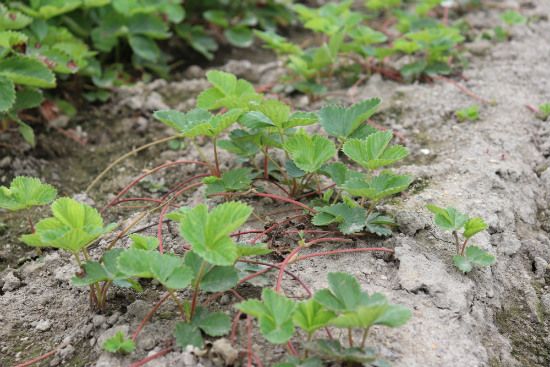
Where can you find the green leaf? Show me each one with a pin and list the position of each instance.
(187, 334)
(218, 17)
(219, 279)
(11, 19)
(378, 187)
(448, 219)
(208, 233)
(94, 272)
(145, 48)
(311, 316)
(27, 98)
(374, 152)
(468, 114)
(119, 344)
(168, 269)
(342, 122)
(379, 224)
(274, 312)
(511, 17)
(309, 152)
(26, 132)
(212, 323)
(227, 91)
(462, 263)
(344, 293)
(25, 192)
(7, 94)
(147, 243)
(189, 124)
(27, 71)
(350, 220)
(239, 36)
(332, 350)
(237, 179)
(479, 257)
(257, 249)
(474, 226)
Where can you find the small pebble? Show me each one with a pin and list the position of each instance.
(43, 325)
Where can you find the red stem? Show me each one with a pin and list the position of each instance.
(249, 341)
(149, 315)
(328, 239)
(38, 359)
(152, 357)
(150, 172)
(234, 325)
(292, 254)
(286, 200)
(181, 184)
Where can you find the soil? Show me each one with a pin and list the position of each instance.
(496, 168)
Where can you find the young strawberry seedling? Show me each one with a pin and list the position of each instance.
(119, 344)
(467, 256)
(342, 305)
(468, 114)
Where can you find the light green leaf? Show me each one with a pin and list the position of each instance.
(379, 224)
(378, 187)
(27, 71)
(25, 192)
(208, 233)
(145, 48)
(219, 278)
(373, 152)
(479, 257)
(190, 124)
(257, 249)
(350, 220)
(462, 263)
(309, 152)
(474, 226)
(119, 344)
(342, 122)
(274, 313)
(237, 179)
(26, 132)
(311, 316)
(449, 218)
(344, 293)
(147, 243)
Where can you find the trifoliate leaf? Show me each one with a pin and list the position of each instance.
(190, 124)
(449, 218)
(474, 226)
(309, 152)
(208, 233)
(73, 227)
(378, 187)
(119, 344)
(25, 192)
(373, 152)
(168, 269)
(350, 220)
(342, 122)
(274, 312)
(311, 316)
(344, 293)
(227, 91)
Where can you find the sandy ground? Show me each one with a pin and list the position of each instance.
(495, 168)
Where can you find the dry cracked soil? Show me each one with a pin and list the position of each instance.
(496, 168)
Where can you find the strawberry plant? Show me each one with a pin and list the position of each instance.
(342, 305)
(467, 256)
(543, 111)
(468, 114)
